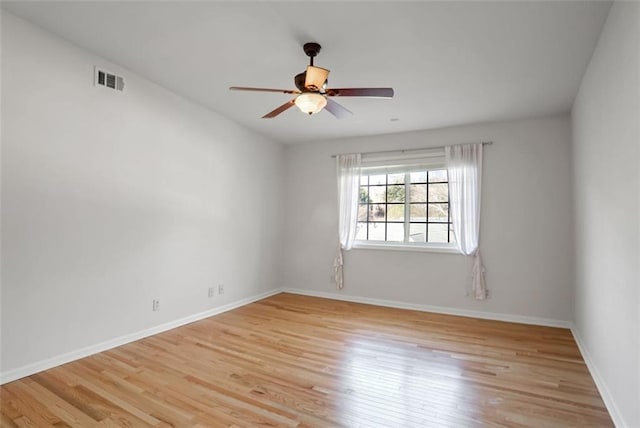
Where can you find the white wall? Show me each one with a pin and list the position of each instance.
(113, 199)
(525, 233)
(606, 163)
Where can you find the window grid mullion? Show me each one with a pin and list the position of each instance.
(386, 206)
(407, 207)
(426, 214)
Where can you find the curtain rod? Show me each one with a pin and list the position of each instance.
(484, 143)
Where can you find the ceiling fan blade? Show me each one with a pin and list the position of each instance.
(282, 91)
(279, 110)
(316, 76)
(361, 92)
(338, 110)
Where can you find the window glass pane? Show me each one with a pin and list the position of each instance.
(362, 212)
(395, 232)
(377, 193)
(377, 212)
(438, 192)
(439, 212)
(364, 195)
(437, 232)
(378, 179)
(419, 177)
(361, 232)
(395, 193)
(396, 178)
(417, 232)
(418, 193)
(376, 231)
(395, 212)
(418, 212)
(438, 175)
(381, 209)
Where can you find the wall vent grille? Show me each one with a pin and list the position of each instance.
(108, 80)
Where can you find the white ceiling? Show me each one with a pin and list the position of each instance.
(450, 63)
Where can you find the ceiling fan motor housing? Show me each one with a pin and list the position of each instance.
(300, 80)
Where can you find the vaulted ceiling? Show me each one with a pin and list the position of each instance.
(450, 63)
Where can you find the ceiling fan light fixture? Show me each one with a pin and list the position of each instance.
(310, 102)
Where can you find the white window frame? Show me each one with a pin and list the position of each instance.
(401, 162)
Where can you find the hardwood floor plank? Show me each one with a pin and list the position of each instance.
(6, 421)
(297, 361)
(57, 405)
(24, 410)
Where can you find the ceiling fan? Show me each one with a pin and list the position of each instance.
(313, 95)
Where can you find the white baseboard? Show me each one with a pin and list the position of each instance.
(614, 412)
(436, 309)
(49, 363)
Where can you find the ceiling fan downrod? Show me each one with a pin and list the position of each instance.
(311, 49)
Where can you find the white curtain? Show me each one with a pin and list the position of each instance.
(464, 166)
(348, 169)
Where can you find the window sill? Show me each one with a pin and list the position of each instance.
(434, 248)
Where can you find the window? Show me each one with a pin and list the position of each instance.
(404, 208)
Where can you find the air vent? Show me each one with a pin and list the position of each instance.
(108, 80)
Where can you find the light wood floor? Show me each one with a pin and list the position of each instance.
(300, 361)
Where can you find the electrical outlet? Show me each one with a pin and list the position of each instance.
(156, 305)
(221, 289)
(211, 291)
